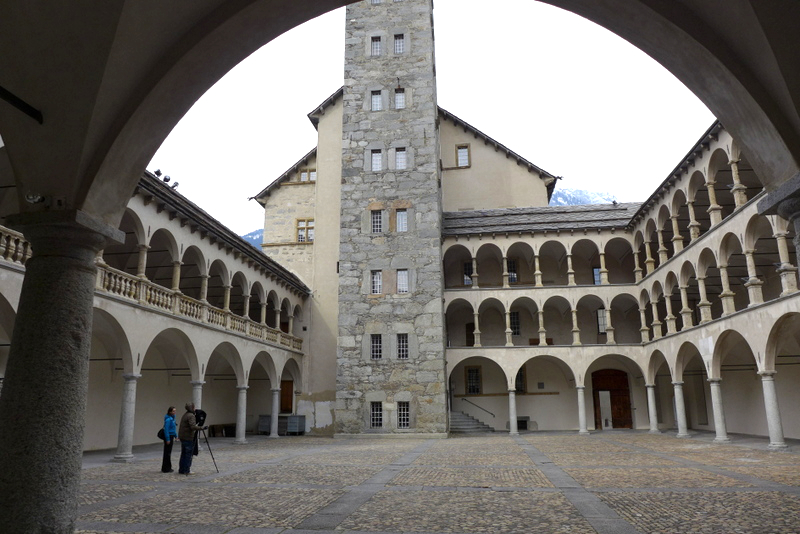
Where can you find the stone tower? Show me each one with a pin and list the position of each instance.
(391, 363)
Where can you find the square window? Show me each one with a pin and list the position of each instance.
(473, 380)
(462, 156)
(402, 280)
(467, 273)
(399, 43)
(305, 230)
(377, 101)
(401, 221)
(512, 271)
(399, 99)
(375, 46)
(601, 321)
(402, 346)
(514, 319)
(376, 282)
(375, 347)
(376, 217)
(312, 175)
(377, 161)
(400, 158)
(403, 414)
(376, 415)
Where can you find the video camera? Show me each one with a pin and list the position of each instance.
(200, 417)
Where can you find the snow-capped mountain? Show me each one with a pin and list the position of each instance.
(576, 197)
(255, 238)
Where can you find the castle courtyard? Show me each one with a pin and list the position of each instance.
(617, 482)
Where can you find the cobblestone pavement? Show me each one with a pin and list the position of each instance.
(618, 482)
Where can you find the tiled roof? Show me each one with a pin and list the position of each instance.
(550, 218)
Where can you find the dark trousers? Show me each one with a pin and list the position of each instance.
(166, 463)
(185, 464)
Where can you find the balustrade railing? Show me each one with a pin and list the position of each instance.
(15, 249)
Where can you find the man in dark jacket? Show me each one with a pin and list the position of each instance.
(186, 432)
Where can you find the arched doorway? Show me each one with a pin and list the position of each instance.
(612, 399)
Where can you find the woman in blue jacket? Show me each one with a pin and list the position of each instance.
(170, 433)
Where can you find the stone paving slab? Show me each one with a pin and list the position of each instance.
(487, 459)
(95, 493)
(236, 506)
(684, 477)
(342, 459)
(574, 444)
(777, 474)
(689, 513)
(610, 459)
(454, 511)
(476, 477)
(742, 458)
(302, 474)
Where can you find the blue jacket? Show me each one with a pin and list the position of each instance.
(170, 430)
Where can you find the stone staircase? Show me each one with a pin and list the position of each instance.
(461, 423)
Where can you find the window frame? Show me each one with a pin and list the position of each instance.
(397, 220)
(376, 46)
(479, 389)
(514, 323)
(403, 289)
(399, 44)
(376, 165)
(376, 221)
(375, 347)
(308, 224)
(376, 282)
(513, 275)
(398, 159)
(403, 414)
(376, 101)
(376, 414)
(402, 346)
(400, 91)
(468, 152)
(522, 376)
(602, 324)
(467, 273)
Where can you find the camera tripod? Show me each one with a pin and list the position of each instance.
(197, 438)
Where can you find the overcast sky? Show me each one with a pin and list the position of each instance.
(562, 92)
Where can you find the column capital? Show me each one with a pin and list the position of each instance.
(196, 383)
(242, 388)
(275, 390)
(714, 380)
(65, 233)
(142, 246)
(767, 375)
(131, 377)
(580, 387)
(650, 385)
(677, 383)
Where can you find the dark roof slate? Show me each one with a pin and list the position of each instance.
(549, 218)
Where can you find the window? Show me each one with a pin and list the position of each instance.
(473, 380)
(376, 415)
(402, 346)
(377, 101)
(375, 48)
(401, 220)
(375, 1)
(399, 98)
(462, 156)
(512, 271)
(403, 414)
(399, 43)
(308, 175)
(375, 347)
(601, 321)
(596, 274)
(376, 282)
(400, 158)
(305, 230)
(514, 319)
(520, 382)
(377, 221)
(402, 280)
(467, 273)
(377, 161)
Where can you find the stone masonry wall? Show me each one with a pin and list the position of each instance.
(419, 380)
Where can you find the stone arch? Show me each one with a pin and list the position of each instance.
(521, 253)
(125, 256)
(657, 297)
(257, 299)
(528, 325)
(218, 280)
(783, 342)
(659, 376)
(291, 370)
(192, 272)
(623, 379)
(664, 225)
(698, 194)
(591, 320)
(298, 323)
(460, 323)
(619, 261)
(161, 257)
(680, 209)
(492, 322)
(585, 262)
(490, 265)
(735, 266)
(708, 269)
(558, 409)
(239, 289)
(719, 170)
(286, 314)
(553, 263)
(456, 257)
(224, 372)
(673, 294)
(273, 310)
(479, 387)
(625, 319)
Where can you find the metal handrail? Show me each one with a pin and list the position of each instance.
(480, 407)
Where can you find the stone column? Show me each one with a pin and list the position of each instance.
(774, 425)
(603, 270)
(637, 270)
(291, 325)
(739, 190)
(246, 307)
(263, 313)
(644, 330)
(677, 238)
(649, 262)
(609, 329)
(680, 411)
(719, 412)
(753, 284)
(652, 411)
(477, 332)
(278, 319)
(241, 416)
(670, 318)
(726, 296)
(226, 306)
(714, 209)
(662, 248)
(570, 271)
(204, 288)
(686, 311)
(142, 264)
(542, 330)
(787, 271)
(197, 393)
(537, 272)
(704, 304)
(509, 341)
(176, 276)
(576, 332)
(505, 272)
(276, 410)
(47, 374)
(512, 412)
(656, 322)
(126, 418)
(475, 273)
(694, 226)
(582, 411)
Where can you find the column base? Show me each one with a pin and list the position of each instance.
(242, 442)
(513, 433)
(584, 433)
(679, 435)
(778, 447)
(273, 436)
(654, 431)
(722, 440)
(123, 458)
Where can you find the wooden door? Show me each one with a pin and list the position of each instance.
(287, 396)
(616, 383)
